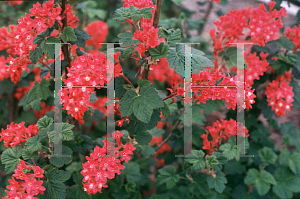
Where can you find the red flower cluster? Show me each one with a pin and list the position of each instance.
(222, 130)
(17, 133)
(294, 35)
(205, 88)
(4, 70)
(13, 3)
(30, 187)
(280, 94)
(139, 3)
(99, 167)
(255, 67)
(19, 41)
(216, 1)
(98, 31)
(264, 26)
(86, 73)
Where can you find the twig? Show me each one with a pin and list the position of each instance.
(80, 158)
(169, 136)
(157, 13)
(172, 95)
(11, 107)
(44, 64)
(72, 186)
(206, 16)
(127, 80)
(65, 48)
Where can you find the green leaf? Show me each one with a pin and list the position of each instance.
(144, 104)
(293, 161)
(144, 12)
(130, 187)
(10, 157)
(287, 183)
(121, 14)
(81, 37)
(211, 160)
(267, 155)
(165, 110)
(126, 39)
(26, 155)
(177, 1)
(6, 86)
(61, 161)
(128, 52)
(55, 190)
(284, 42)
(262, 182)
(126, 103)
(68, 35)
(74, 167)
(40, 40)
(174, 37)
(56, 175)
(146, 150)
(35, 54)
(101, 14)
(195, 158)
(218, 183)
(162, 50)
(197, 116)
(228, 151)
(143, 82)
(78, 192)
(44, 122)
(176, 60)
(49, 48)
(132, 172)
(33, 144)
(143, 138)
(167, 175)
(67, 133)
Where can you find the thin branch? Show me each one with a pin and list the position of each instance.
(157, 13)
(72, 186)
(170, 96)
(169, 136)
(41, 61)
(65, 47)
(127, 80)
(80, 158)
(206, 16)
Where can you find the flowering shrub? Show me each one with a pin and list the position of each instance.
(143, 156)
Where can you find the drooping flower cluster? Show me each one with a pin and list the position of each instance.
(13, 3)
(19, 41)
(4, 71)
(262, 26)
(31, 186)
(15, 134)
(216, 1)
(98, 31)
(100, 166)
(280, 94)
(222, 130)
(205, 88)
(146, 34)
(86, 74)
(255, 67)
(294, 35)
(139, 3)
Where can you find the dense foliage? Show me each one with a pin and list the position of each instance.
(149, 69)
